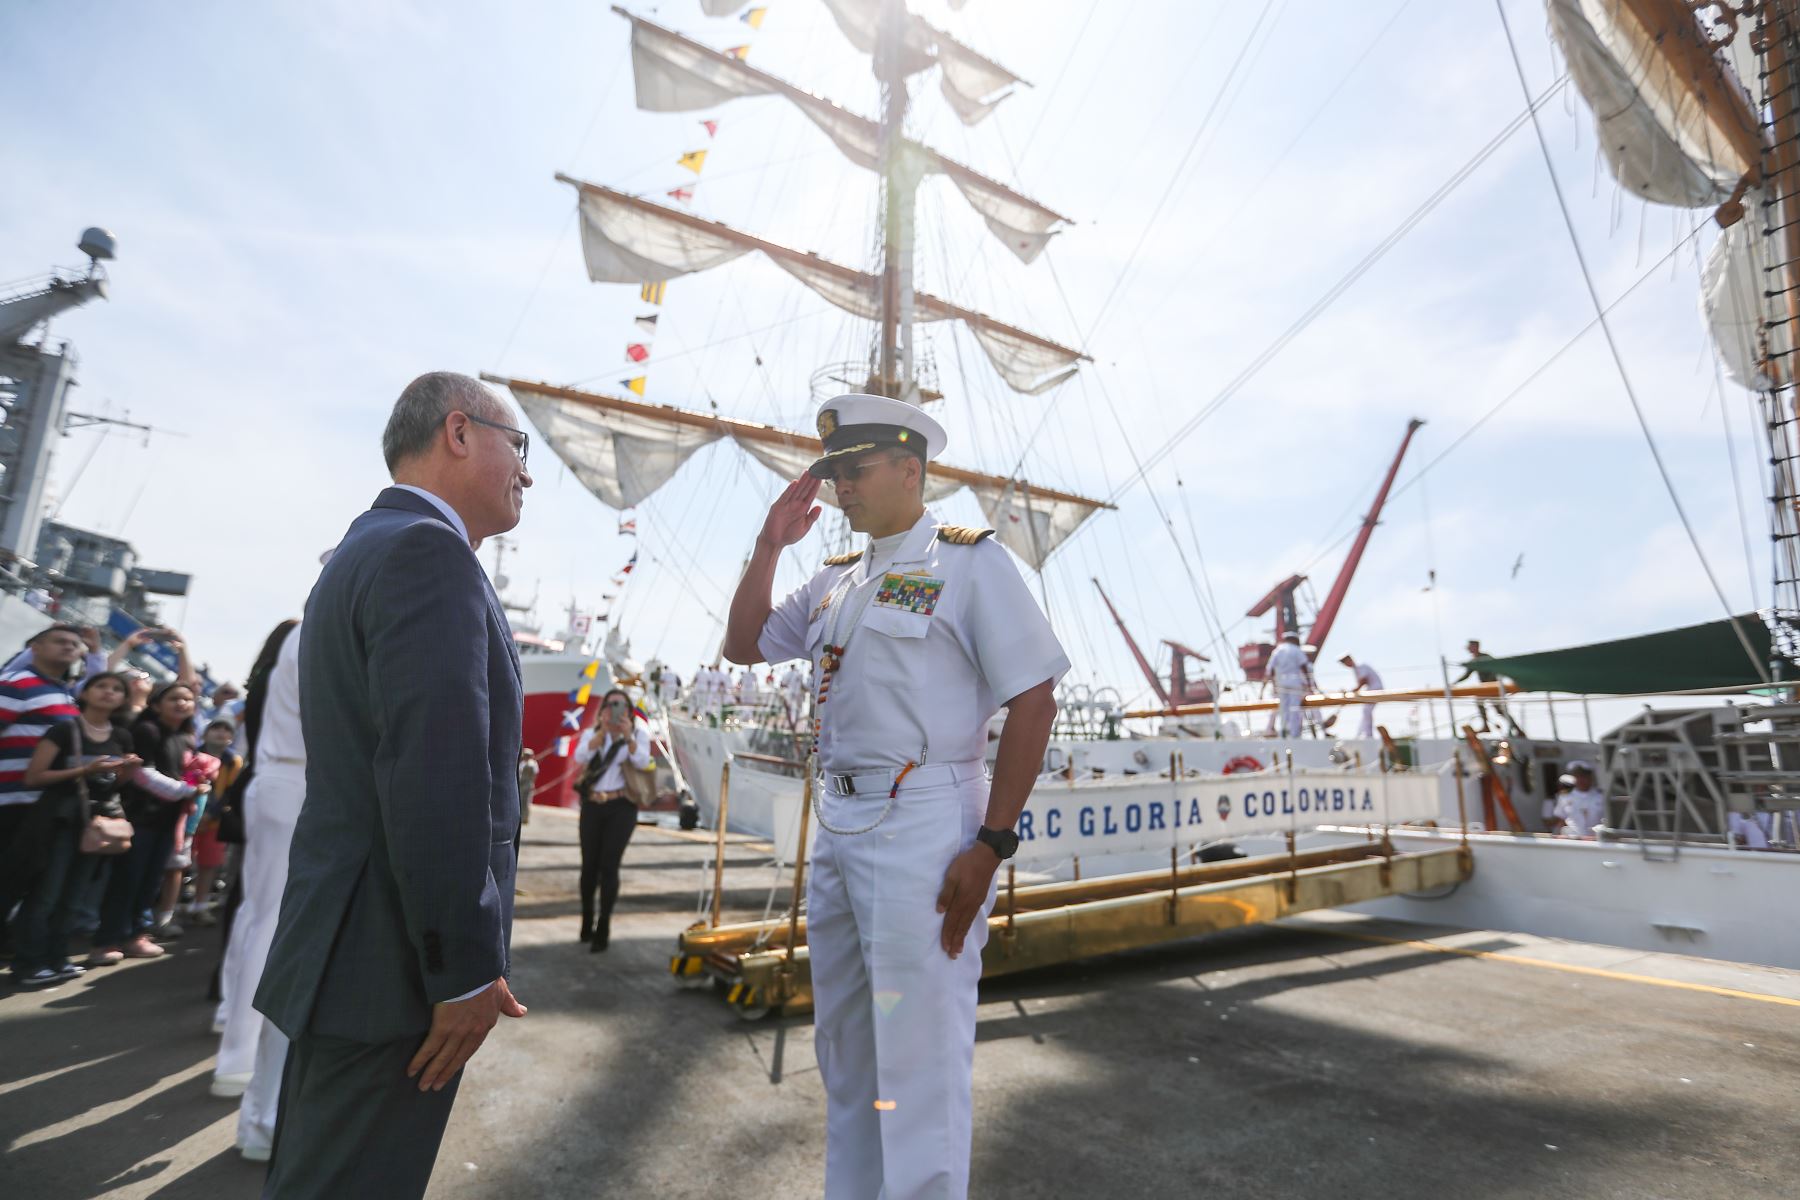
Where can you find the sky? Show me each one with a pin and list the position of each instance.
(314, 204)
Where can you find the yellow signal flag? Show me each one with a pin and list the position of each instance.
(652, 293)
(754, 17)
(591, 670)
(693, 160)
(738, 52)
(584, 694)
(635, 383)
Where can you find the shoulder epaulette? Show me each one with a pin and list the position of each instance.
(962, 535)
(838, 560)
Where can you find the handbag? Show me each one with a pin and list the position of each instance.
(640, 784)
(100, 834)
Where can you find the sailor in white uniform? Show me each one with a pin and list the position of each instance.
(1292, 672)
(1582, 810)
(916, 642)
(1366, 681)
(793, 688)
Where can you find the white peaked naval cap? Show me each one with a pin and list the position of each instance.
(855, 424)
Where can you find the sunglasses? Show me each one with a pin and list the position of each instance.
(851, 472)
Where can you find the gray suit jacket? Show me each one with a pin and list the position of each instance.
(400, 880)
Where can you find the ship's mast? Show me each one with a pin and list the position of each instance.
(899, 183)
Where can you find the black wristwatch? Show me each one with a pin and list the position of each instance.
(1003, 842)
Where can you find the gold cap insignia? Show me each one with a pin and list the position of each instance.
(827, 423)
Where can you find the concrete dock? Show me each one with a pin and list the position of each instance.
(1328, 1056)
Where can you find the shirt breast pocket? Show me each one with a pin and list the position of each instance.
(896, 622)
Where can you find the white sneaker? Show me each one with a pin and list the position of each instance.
(254, 1151)
(229, 1087)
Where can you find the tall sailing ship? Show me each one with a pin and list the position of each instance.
(1678, 127)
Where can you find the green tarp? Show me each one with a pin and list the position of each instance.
(1698, 656)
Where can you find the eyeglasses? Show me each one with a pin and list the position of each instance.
(522, 447)
(851, 472)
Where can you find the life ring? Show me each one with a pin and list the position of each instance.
(1242, 762)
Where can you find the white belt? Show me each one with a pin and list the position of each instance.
(880, 782)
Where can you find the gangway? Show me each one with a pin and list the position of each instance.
(762, 967)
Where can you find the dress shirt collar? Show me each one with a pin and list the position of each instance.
(439, 503)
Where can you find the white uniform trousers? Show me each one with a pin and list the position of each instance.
(271, 807)
(1293, 713)
(1367, 727)
(894, 1016)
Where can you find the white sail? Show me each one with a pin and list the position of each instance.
(673, 73)
(629, 240)
(625, 244)
(1660, 140)
(721, 8)
(620, 457)
(623, 450)
(1749, 326)
(968, 79)
(1027, 523)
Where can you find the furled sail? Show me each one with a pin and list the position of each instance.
(1749, 326)
(626, 239)
(623, 450)
(968, 79)
(1674, 129)
(676, 74)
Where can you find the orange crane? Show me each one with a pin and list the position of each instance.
(1179, 689)
(1253, 657)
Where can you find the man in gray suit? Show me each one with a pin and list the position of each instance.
(389, 963)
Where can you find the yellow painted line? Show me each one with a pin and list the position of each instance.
(1571, 968)
(708, 837)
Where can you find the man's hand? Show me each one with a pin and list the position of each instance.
(792, 515)
(90, 636)
(457, 1030)
(964, 892)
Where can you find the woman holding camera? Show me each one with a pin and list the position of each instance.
(608, 814)
(80, 765)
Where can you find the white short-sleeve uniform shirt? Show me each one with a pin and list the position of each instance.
(947, 635)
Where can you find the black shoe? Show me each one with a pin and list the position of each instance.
(587, 932)
(598, 945)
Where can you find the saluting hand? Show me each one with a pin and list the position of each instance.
(792, 515)
(964, 892)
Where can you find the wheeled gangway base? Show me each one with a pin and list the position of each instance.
(1041, 925)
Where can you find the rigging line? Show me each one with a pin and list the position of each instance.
(1068, 58)
(1737, 490)
(1247, 197)
(1286, 150)
(543, 273)
(1418, 476)
(1618, 358)
(69, 488)
(1181, 165)
(1172, 93)
(1345, 282)
(689, 350)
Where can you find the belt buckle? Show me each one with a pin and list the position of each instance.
(846, 784)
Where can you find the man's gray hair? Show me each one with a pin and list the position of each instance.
(422, 407)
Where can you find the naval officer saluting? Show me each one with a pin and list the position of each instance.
(915, 642)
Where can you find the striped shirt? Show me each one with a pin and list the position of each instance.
(29, 706)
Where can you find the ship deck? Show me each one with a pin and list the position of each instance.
(1332, 1054)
